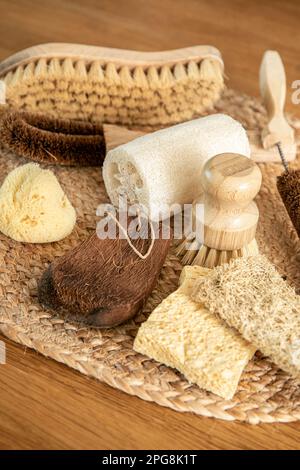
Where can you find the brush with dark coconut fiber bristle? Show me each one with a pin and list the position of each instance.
(47, 140)
(288, 185)
(279, 133)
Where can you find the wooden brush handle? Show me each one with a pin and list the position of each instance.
(273, 91)
(118, 135)
(230, 183)
(104, 55)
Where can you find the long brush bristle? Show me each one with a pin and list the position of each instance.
(188, 249)
(200, 259)
(192, 249)
(212, 258)
(209, 257)
(181, 248)
(251, 249)
(150, 97)
(223, 257)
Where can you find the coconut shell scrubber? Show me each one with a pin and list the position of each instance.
(114, 86)
(103, 282)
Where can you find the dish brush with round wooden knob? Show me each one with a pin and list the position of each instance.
(224, 216)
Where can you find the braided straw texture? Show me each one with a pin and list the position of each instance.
(265, 393)
(154, 97)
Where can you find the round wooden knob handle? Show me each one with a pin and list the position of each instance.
(232, 178)
(229, 216)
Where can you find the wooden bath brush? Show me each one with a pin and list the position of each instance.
(147, 89)
(103, 282)
(224, 216)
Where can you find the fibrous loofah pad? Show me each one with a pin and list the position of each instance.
(251, 296)
(265, 393)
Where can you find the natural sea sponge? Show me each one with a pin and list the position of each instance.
(34, 207)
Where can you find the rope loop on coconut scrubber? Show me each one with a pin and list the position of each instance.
(124, 231)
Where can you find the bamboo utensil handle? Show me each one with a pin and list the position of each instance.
(273, 91)
(2, 93)
(229, 218)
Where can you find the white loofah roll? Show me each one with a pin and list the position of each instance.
(164, 168)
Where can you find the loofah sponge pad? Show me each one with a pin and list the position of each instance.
(184, 335)
(250, 295)
(33, 206)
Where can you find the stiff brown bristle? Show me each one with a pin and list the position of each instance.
(103, 282)
(288, 185)
(55, 141)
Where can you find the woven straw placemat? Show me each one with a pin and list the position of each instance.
(265, 393)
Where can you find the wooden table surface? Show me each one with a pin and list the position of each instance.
(44, 404)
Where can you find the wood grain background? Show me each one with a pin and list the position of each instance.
(44, 404)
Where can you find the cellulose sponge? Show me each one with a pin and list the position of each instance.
(183, 334)
(33, 206)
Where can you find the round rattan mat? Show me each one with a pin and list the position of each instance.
(265, 393)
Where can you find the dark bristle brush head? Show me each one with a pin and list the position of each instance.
(288, 185)
(102, 282)
(43, 139)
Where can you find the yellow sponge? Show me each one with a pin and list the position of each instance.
(33, 206)
(184, 335)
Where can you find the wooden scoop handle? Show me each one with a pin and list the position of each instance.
(229, 217)
(272, 81)
(2, 93)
